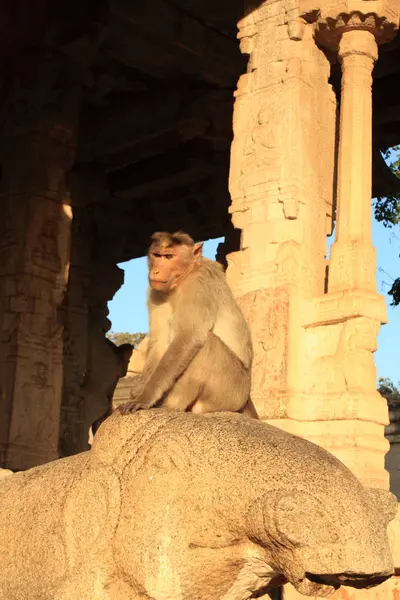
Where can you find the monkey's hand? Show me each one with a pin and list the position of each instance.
(130, 407)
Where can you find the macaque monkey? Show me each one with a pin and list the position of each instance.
(200, 353)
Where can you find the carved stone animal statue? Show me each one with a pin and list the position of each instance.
(171, 505)
(200, 353)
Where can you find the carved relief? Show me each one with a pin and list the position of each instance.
(35, 419)
(351, 368)
(261, 156)
(45, 254)
(267, 313)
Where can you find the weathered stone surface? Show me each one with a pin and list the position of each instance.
(38, 137)
(314, 321)
(192, 507)
(5, 473)
(392, 434)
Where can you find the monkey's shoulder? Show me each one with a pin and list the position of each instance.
(209, 272)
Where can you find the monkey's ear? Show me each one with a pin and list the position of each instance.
(198, 250)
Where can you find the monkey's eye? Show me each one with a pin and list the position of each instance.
(169, 256)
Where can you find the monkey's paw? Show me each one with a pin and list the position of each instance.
(129, 408)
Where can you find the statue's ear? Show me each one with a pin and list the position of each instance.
(302, 520)
(385, 502)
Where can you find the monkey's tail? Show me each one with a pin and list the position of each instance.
(249, 410)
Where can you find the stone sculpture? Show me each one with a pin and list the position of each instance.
(182, 506)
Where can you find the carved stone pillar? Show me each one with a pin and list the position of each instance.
(353, 261)
(314, 339)
(38, 143)
(344, 323)
(103, 366)
(281, 185)
(83, 191)
(392, 433)
(91, 362)
(229, 245)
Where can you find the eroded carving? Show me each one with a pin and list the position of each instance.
(351, 368)
(36, 397)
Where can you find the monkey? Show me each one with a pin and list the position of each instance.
(200, 354)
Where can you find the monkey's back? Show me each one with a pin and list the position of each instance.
(230, 325)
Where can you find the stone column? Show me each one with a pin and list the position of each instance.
(392, 433)
(314, 323)
(103, 364)
(353, 260)
(38, 144)
(346, 320)
(92, 364)
(84, 191)
(282, 190)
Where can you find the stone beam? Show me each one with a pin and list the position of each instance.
(124, 226)
(390, 115)
(154, 176)
(142, 32)
(386, 112)
(388, 135)
(153, 122)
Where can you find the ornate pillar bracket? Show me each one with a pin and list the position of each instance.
(332, 21)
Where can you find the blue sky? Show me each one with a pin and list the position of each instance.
(128, 311)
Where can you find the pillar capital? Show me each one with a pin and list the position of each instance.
(358, 42)
(379, 17)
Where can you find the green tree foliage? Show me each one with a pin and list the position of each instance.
(125, 338)
(389, 390)
(387, 211)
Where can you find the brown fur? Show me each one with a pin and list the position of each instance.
(200, 354)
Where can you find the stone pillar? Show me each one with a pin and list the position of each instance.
(92, 364)
(392, 433)
(346, 320)
(103, 366)
(353, 260)
(282, 190)
(38, 144)
(84, 190)
(314, 323)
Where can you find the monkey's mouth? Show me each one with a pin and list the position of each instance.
(158, 282)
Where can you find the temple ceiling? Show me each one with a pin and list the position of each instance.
(156, 119)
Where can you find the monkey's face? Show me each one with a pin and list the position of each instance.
(169, 265)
